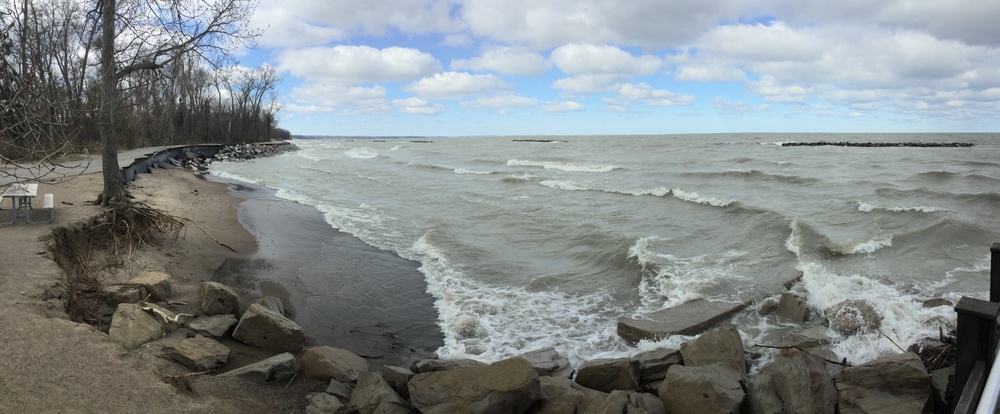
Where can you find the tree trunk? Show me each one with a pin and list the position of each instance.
(114, 183)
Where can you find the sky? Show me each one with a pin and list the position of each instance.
(588, 67)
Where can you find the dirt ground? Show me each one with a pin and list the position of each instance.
(51, 365)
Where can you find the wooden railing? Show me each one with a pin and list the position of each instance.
(976, 383)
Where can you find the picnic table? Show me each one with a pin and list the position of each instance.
(20, 195)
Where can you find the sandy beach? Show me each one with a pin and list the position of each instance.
(53, 365)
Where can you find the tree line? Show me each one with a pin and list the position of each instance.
(170, 64)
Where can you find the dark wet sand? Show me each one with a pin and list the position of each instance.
(343, 292)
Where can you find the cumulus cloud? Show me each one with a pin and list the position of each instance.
(647, 95)
(561, 106)
(317, 97)
(505, 60)
(501, 101)
(358, 64)
(456, 85)
(417, 106)
(737, 106)
(587, 59)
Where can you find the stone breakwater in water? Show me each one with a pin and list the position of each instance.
(198, 157)
(878, 144)
(709, 373)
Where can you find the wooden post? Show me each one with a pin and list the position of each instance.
(976, 339)
(995, 272)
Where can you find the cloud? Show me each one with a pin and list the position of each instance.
(456, 85)
(313, 97)
(358, 64)
(561, 106)
(586, 59)
(501, 101)
(738, 106)
(647, 95)
(417, 106)
(505, 60)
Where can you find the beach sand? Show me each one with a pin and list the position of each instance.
(50, 364)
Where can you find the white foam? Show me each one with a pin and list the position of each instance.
(669, 280)
(693, 197)
(361, 153)
(868, 208)
(470, 171)
(905, 320)
(563, 166)
(867, 247)
(564, 185)
(231, 176)
(489, 323)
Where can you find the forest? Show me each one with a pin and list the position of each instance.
(181, 93)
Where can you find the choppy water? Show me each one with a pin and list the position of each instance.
(532, 244)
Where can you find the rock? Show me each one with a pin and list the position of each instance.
(792, 385)
(767, 307)
(721, 345)
(322, 403)
(198, 353)
(117, 294)
(609, 374)
(373, 395)
(218, 299)
(398, 377)
(653, 365)
(327, 362)
(933, 303)
(212, 326)
(620, 402)
(132, 326)
(277, 368)
(265, 329)
(560, 395)
(341, 390)
(806, 337)
(792, 308)
(272, 303)
(852, 316)
(690, 318)
(715, 388)
(507, 386)
(435, 365)
(548, 362)
(155, 284)
(895, 383)
(939, 385)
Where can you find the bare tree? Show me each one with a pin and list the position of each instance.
(152, 34)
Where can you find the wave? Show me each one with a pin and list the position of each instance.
(470, 171)
(753, 174)
(868, 208)
(517, 179)
(668, 280)
(807, 242)
(563, 166)
(361, 153)
(984, 198)
(694, 197)
(677, 193)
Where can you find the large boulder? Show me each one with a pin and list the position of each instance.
(548, 362)
(609, 374)
(322, 403)
(398, 377)
(852, 316)
(721, 345)
(799, 384)
(653, 366)
(272, 303)
(327, 362)
(508, 386)
(563, 396)
(153, 284)
(266, 329)
(624, 402)
(895, 383)
(218, 299)
(132, 326)
(435, 365)
(709, 389)
(277, 368)
(373, 395)
(792, 308)
(212, 326)
(198, 353)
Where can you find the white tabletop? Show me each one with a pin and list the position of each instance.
(20, 190)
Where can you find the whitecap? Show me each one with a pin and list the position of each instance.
(563, 166)
(470, 171)
(693, 197)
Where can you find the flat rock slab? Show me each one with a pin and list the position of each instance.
(693, 317)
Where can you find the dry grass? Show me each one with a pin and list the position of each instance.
(84, 250)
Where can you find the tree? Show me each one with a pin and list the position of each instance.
(151, 35)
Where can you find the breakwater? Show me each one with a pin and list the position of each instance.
(197, 157)
(878, 144)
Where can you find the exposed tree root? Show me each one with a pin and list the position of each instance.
(84, 249)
